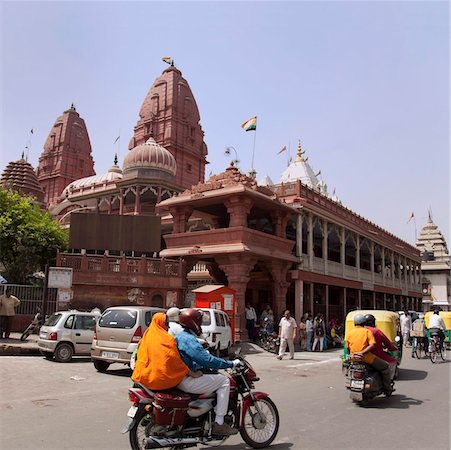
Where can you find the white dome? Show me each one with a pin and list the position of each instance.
(300, 170)
(113, 174)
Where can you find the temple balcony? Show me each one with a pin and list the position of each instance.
(123, 270)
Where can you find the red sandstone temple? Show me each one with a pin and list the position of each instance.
(287, 244)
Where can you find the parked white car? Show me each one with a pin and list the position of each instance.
(67, 333)
(216, 330)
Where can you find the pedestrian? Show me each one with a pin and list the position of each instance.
(309, 330)
(319, 331)
(251, 317)
(8, 304)
(303, 334)
(287, 334)
(406, 324)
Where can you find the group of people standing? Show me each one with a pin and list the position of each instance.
(312, 331)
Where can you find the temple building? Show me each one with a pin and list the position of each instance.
(290, 245)
(66, 156)
(20, 176)
(435, 267)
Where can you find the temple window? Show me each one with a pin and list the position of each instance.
(317, 239)
(304, 237)
(365, 255)
(377, 259)
(333, 244)
(350, 250)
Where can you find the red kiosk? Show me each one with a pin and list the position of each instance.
(217, 296)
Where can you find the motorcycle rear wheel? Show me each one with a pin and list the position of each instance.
(259, 431)
(138, 433)
(25, 335)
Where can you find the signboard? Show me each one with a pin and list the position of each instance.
(60, 277)
(64, 298)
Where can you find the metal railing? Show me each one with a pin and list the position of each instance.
(31, 298)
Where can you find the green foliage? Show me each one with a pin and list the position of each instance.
(29, 237)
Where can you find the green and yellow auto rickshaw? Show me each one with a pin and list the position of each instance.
(387, 321)
(446, 316)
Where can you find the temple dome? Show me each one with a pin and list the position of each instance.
(21, 176)
(150, 155)
(300, 170)
(113, 174)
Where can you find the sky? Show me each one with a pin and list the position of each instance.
(363, 85)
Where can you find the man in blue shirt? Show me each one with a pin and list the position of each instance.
(196, 358)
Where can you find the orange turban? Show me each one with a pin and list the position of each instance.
(159, 365)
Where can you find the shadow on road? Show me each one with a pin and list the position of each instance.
(126, 372)
(242, 445)
(396, 401)
(411, 374)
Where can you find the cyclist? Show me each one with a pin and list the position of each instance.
(437, 326)
(418, 333)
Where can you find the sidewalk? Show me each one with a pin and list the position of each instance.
(14, 346)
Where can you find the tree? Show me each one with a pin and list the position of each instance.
(29, 237)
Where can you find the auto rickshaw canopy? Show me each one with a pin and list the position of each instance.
(386, 321)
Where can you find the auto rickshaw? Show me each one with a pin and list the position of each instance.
(387, 321)
(446, 316)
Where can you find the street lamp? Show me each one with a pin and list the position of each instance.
(227, 153)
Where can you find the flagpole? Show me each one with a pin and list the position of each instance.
(253, 152)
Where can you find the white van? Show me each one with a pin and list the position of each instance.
(216, 330)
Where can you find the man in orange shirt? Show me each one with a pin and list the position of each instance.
(361, 344)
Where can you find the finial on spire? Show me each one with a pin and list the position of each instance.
(300, 152)
(23, 154)
(72, 106)
(115, 159)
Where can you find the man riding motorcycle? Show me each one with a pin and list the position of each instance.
(196, 358)
(382, 343)
(361, 346)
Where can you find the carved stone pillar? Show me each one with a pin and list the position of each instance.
(237, 269)
(280, 220)
(238, 209)
(137, 200)
(121, 201)
(279, 272)
(180, 214)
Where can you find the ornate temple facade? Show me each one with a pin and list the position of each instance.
(170, 115)
(435, 267)
(66, 156)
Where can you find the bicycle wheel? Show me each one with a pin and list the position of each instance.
(416, 348)
(433, 353)
(443, 351)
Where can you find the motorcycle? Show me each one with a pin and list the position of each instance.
(364, 382)
(34, 326)
(269, 340)
(179, 420)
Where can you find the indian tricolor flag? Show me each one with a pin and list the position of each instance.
(250, 124)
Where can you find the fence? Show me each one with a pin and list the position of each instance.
(31, 298)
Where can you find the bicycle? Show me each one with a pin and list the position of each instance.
(419, 345)
(436, 348)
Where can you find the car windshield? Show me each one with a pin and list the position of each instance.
(53, 320)
(118, 318)
(206, 318)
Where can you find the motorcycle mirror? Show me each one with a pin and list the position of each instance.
(397, 339)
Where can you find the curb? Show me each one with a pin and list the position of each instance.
(15, 350)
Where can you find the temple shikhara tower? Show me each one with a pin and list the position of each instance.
(66, 156)
(170, 115)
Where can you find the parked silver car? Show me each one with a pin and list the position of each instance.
(118, 332)
(67, 333)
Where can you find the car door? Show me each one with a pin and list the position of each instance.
(83, 333)
(219, 329)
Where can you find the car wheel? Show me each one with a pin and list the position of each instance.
(101, 366)
(64, 352)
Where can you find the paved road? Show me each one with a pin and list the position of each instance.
(46, 405)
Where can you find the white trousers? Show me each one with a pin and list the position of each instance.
(207, 384)
(283, 346)
(321, 343)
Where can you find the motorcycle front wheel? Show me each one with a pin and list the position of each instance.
(260, 425)
(25, 334)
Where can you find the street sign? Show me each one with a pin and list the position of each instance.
(60, 277)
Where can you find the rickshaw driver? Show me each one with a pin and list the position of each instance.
(437, 326)
(361, 345)
(382, 342)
